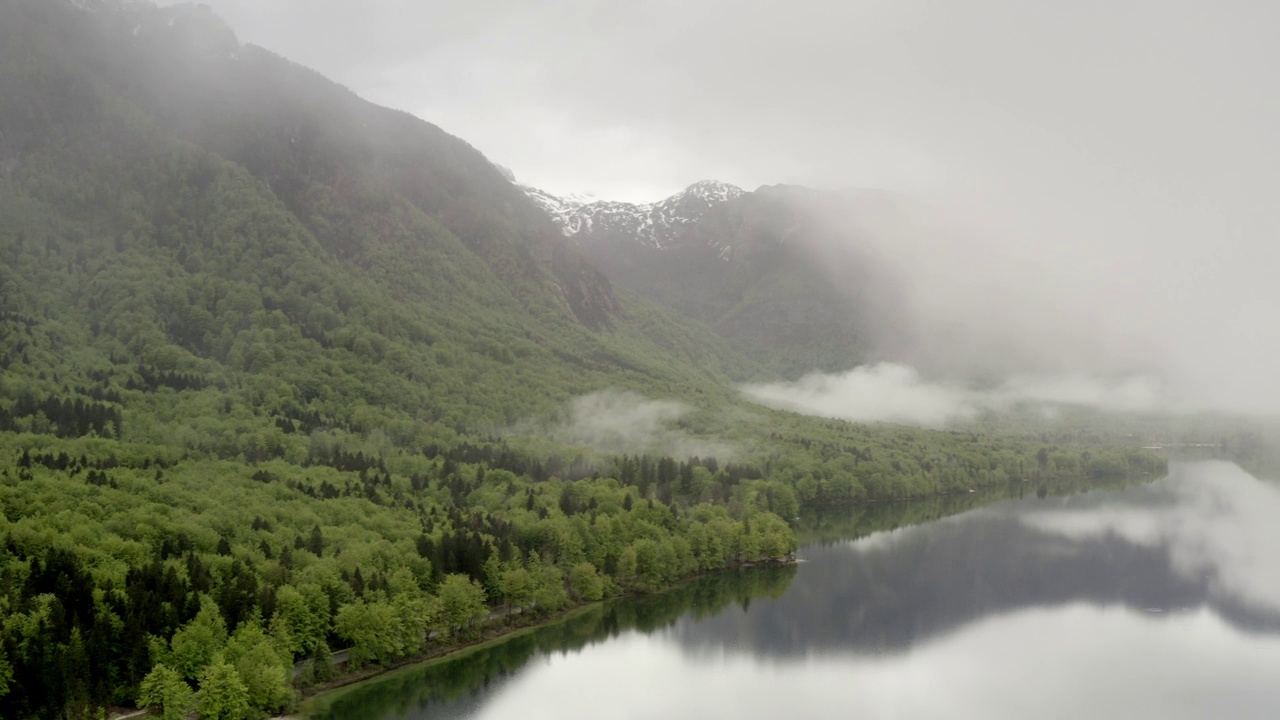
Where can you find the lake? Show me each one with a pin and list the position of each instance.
(1160, 600)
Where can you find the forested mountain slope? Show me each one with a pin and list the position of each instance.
(205, 208)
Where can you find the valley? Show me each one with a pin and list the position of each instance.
(284, 372)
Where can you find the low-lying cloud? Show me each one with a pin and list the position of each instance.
(892, 392)
(622, 422)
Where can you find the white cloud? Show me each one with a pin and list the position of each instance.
(887, 391)
(625, 422)
(893, 392)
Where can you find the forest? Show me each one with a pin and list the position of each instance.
(272, 361)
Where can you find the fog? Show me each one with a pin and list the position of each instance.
(622, 422)
(982, 297)
(1134, 326)
(894, 392)
(1083, 188)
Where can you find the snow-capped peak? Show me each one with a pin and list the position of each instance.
(653, 224)
(713, 190)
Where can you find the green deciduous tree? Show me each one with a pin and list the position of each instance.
(374, 630)
(301, 619)
(164, 690)
(585, 582)
(515, 587)
(261, 665)
(414, 613)
(222, 694)
(548, 588)
(771, 537)
(196, 643)
(461, 603)
(626, 567)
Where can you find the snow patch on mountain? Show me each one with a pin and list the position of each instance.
(655, 225)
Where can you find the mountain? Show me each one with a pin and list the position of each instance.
(180, 202)
(265, 352)
(780, 273)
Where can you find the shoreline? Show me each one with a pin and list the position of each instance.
(319, 696)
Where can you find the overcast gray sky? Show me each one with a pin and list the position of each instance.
(1115, 162)
(899, 93)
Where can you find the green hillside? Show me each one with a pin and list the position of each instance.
(170, 218)
(282, 371)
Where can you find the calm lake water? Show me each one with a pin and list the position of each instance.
(1156, 601)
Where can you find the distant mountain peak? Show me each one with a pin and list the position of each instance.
(714, 189)
(654, 224)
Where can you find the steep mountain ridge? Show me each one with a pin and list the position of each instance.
(777, 272)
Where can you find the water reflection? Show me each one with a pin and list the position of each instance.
(1205, 536)
(1219, 526)
(1074, 661)
(1160, 600)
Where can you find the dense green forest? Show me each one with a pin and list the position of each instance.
(277, 368)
